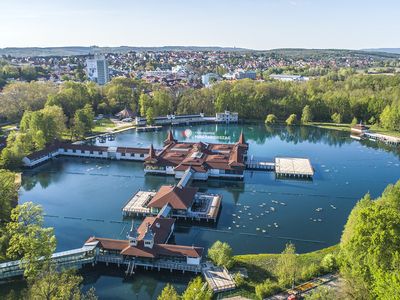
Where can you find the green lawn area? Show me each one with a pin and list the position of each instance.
(262, 266)
(103, 125)
(378, 129)
(333, 126)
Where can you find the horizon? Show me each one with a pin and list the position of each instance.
(255, 25)
(195, 46)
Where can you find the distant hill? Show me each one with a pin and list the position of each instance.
(387, 50)
(295, 53)
(298, 53)
(78, 50)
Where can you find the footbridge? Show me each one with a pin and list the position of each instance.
(75, 258)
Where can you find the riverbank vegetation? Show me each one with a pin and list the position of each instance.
(340, 96)
(25, 238)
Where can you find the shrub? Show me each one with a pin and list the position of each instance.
(267, 288)
(271, 119)
(328, 263)
(292, 120)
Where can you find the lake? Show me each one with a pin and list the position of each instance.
(84, 197)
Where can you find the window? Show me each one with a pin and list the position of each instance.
(123, 154)
(82, 151)
(100, 152)
(74, 151)
(91, 152)
(141, 155)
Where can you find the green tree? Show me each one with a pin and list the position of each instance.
(8, 194)
(49, 285)
(354, 121)
(271, 119)
(18, 97)
(291, 120)
(369, 247)
(83, 121)
(29, 240)
(150, 116)
(168, 293)
(144, 104)
(390, 117)
(306, 116)
(44, 126)
(71, 96)
(197, 290)
(286, 265)
(336, 118)
(221, 254)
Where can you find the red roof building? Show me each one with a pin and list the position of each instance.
(206, 160)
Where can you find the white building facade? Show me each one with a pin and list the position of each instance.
(97, 69)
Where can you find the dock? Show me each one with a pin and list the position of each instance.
(148, 128)
(218, 278)
(293, 167)
(260, 165)
(387, 139)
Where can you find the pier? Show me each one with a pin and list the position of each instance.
(387, 139)
(255, 165)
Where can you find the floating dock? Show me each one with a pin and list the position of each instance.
(293, 167)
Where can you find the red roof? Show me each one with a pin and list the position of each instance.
(141, 251)
(161, 227)
(176, 197)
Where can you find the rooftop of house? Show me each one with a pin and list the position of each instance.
(176, 197)
(200, 156)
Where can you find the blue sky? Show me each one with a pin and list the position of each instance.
(257, 24)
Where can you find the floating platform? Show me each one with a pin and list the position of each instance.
(293, 167)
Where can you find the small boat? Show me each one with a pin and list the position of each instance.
(334, 207)
(283, 203)
(272, 208)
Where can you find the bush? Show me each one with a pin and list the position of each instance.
(271, 119)
(328, 263)
(239, 279)
(267, 288)
(292, 120)
(336, 118)
(310, 271)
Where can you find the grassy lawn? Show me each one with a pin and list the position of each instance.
(378, 129)
(333, 126)
(262, 266)
(103, 125)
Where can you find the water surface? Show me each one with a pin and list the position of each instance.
(84, 197)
